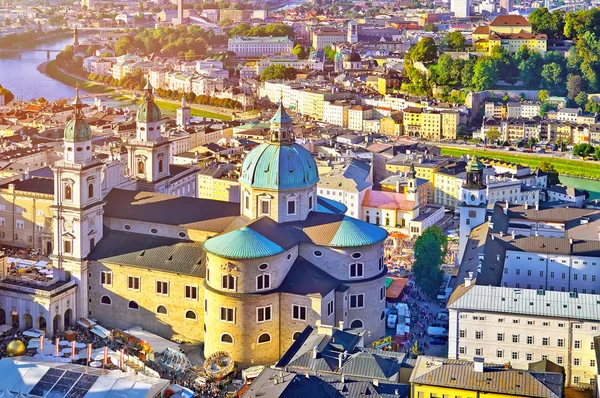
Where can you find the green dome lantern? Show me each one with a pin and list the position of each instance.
(474, 165)
(148, 112)
(77, 129)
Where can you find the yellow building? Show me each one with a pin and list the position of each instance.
(412, 120)
(510, 32)
(25, 214)
(434, 377)
(391, 125)
(450, 123)
(433, 125)
(445, 185)
(219, 183)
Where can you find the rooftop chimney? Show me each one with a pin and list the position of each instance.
(514, 233)
(537, 205)
(526, 205)
(340, 360)
(376, 382)
(478, 365)
(315, 352)
(469, 280)
(506, 208)
(341, 325)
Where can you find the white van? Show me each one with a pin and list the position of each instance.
(391, 321)
(435, 331)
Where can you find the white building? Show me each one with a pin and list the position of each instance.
(520, 326)
(99, 66)
(260, 46)
(461, 8)
(347, 184)
(568, 114)
(289, 62)
(336, 113)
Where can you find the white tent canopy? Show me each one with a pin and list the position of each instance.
(158, 344)
(21, 374)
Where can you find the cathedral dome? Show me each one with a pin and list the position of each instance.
(352, 57)
(148, 112)
(273, 166)
(77, 130)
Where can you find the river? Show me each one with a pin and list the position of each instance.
(24, 80)
(592, 186)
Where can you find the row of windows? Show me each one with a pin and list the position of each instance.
(264, 207)
(68, 192)
(529, 339)
(550, 288)
(161, 309)
(154, 231)
(529, 322)
(528, 356)
(263, 338)
(552, 274)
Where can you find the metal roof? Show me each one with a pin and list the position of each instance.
(528, 301)
(150, 252)
(461, 375)
(274, 166)
(242, 243)
(338, 231)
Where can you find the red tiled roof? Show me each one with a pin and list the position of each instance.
(482, 30)
(387, 200)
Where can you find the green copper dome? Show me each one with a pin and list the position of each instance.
(474, 164)
(148, 112)
(273, 166)
(77, 129)
(243, 243)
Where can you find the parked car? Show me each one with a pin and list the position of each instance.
(434, 331)
(437, 341)
(442, 317)
(391, 321)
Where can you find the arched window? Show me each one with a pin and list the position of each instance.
(90, 191)
(160, 165)
(356, 324)
(368, 218)
(387, 221)
(133, 305)
(228, 282)
(295, 336)
(377, 221)
(161, 309)
(189, 314)
(106, 300)
(141, 167)
(264, 338)
(68, 193)
(226, 338)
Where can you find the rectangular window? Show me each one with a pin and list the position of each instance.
(559, 360)
(263, 282)
(66, 245)
(576, 361)
(228, 314)
(514, 355)
(515, 338)
(106, 278)
(2, 221)
(545, 340)
(529, 339)
(478, 351)
(265, 207)
(191, 292)
(263, 314)
(20, 224)
(479, 335)
(330, 307)
(577, 344)
(462, 350)
(298, 312)
(529, 357)
(133, 282)
(560, 342)
(357, 300)
(462, 333)
(291, 207)
(499, 353)
(382, 293)
(356, 270)
(162, 287)
(500, 336)
(228, 282)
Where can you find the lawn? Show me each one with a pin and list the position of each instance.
(168, 106)
(54, 72)
(571, 167)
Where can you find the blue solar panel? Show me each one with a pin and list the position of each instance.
(58, 383)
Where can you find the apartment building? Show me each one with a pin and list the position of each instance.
(327, 37)
(260, 46)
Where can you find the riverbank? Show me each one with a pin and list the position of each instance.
(52, 70)
(566, 167)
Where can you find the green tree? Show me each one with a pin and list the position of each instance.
(597, 153)
(455, 41)
(485, 74)
(549, 169)
(581, 99)
(300, 52)
(424, 51)
(329, 53)
(416, 350)
(543, 95)
(429, 255)
(493, 134)
(275, 72)
(574, 86)
(583, 150)
(552, 76)
(430, 27)
(551, 24)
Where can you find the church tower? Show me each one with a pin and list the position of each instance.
(184, 116)
(352, 32)
(75, 41)
(473, 205)
(148, 152)
(279, 177)
(411, 189)
(77, 208)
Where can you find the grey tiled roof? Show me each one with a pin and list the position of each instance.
(526, 301)
(202, 214)
(305, 278)
(375, 364)
(461, 375)
(151, 252)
